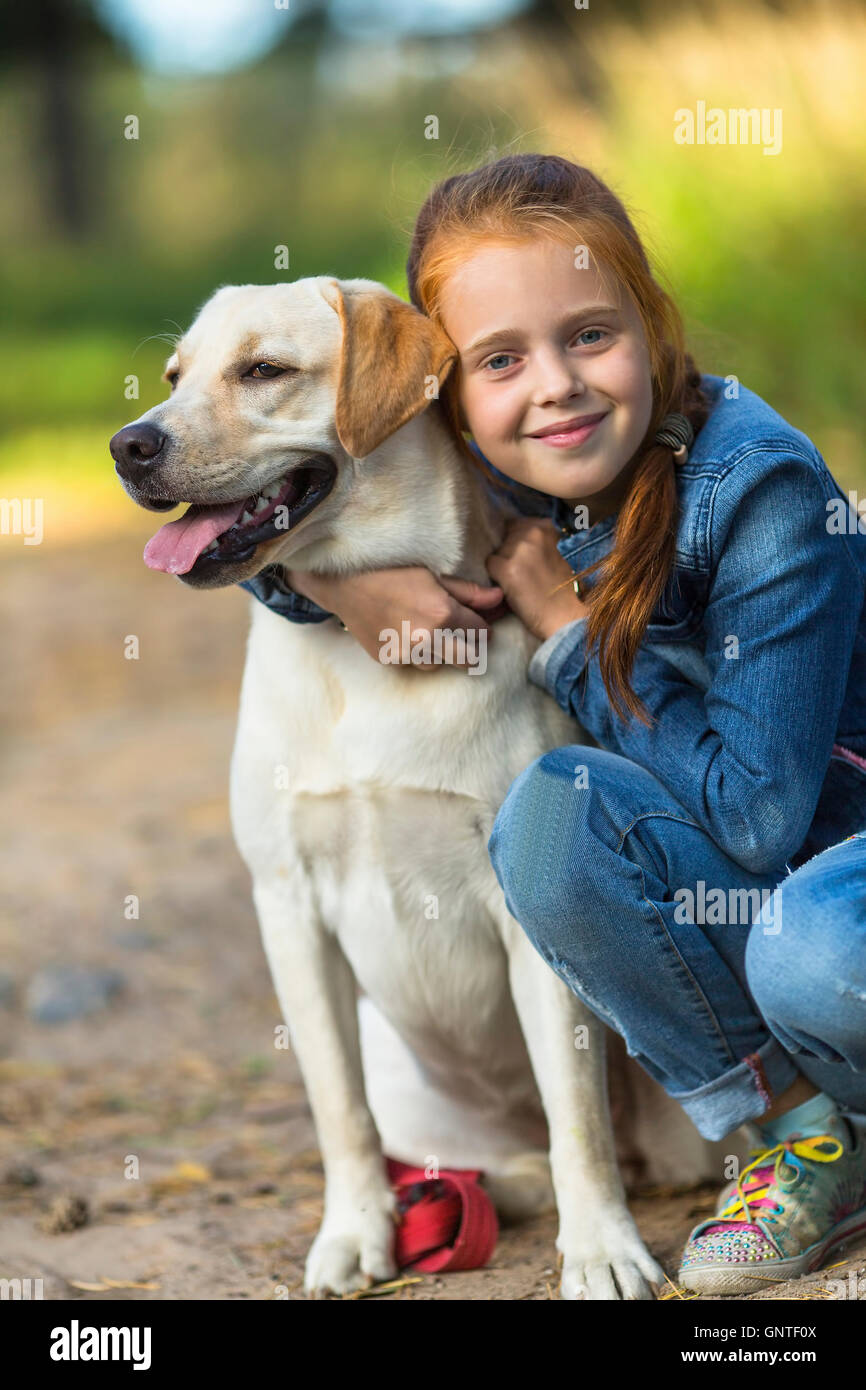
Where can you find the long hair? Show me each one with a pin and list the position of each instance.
(520, 197)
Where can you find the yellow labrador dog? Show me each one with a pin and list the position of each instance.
(363, 793)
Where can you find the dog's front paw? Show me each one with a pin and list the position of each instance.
(352, 1251)
(610, 1264)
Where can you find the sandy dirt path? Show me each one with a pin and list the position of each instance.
(115, 782)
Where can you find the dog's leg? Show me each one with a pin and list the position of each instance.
(316, 989)
(603, 1254)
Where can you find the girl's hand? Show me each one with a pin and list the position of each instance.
(535, 578)
(377, 599)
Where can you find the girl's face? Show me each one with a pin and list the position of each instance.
(542, 344)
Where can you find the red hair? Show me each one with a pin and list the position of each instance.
(523, 196)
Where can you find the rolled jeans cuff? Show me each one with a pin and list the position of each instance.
(743, 1093)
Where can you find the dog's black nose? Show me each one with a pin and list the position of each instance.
(135, 450)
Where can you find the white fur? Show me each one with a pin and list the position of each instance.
(361, 794)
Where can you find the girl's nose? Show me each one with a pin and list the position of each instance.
(555, 379)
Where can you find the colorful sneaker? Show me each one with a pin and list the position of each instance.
(796, 1201)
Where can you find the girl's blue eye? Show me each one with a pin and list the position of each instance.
(507, 357)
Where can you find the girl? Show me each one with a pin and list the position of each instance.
(699, 878)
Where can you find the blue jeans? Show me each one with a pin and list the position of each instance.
(724, 983)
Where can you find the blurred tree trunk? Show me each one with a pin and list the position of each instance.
(63, 139)
(50, 41)
(556, 24)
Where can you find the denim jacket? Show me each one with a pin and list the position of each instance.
(753, 666)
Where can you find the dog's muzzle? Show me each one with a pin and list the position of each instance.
(213, 538)
(137, 451)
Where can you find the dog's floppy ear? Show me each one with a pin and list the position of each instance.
(392, 361)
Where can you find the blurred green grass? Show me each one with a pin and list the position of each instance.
(763, 254)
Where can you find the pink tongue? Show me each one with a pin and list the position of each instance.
(177, 545)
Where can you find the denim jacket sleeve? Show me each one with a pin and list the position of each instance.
(746, 757)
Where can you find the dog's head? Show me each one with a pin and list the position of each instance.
(275, 390)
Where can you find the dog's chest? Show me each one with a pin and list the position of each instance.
(324, 716)
(371, 793)
(401, 877)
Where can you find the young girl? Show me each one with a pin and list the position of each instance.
(699, 878)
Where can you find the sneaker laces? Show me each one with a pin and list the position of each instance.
(762, 1174)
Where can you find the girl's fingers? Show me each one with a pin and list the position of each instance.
(468, 592)
(492, 562)
(467, 620)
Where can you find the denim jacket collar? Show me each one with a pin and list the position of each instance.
(580, 546)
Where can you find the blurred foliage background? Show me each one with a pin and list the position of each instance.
(261, 125)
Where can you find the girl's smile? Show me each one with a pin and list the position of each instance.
(570, 432)
(562, 401)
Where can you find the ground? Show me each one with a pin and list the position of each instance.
(116, 784)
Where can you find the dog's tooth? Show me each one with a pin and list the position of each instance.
(273, 491)
(247, 516)
(261, 504)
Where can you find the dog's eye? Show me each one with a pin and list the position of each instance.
(172, 379)
(265, 370)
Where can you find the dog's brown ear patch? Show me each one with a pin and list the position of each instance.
(392, 361)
